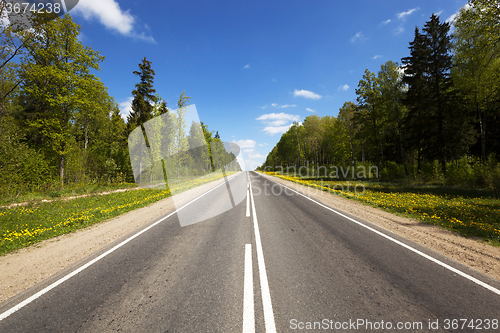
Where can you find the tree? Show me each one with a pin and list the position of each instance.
(144, 96)
(369, 111)
(335, 145)
(440, 62)
(392, 94)
(415, 71)
(180, 143)
(345, 118)
(476, 61)
(427, 75)
(56, 74)
(198, 149)
(118, 162)
(313, 137)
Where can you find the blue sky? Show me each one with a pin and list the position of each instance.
(251, 67)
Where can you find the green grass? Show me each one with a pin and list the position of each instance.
(23, 226)
(26, 225)
(74, 190)
(471, 213)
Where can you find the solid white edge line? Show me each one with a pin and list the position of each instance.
(264, 285)
(78, 270)
(248, 306)
(454, 270)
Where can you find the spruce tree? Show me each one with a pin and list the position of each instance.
(415, 68)
(427, 75)
(144, 96)
(440, 63)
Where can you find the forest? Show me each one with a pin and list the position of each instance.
(59, 127)
(433, 117)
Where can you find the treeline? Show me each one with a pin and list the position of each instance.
(435, 116)
(161, 147)
(58, 124)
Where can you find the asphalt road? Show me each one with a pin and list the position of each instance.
(293, 264)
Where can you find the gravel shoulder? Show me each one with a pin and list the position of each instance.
(477, 255)
(26, 267)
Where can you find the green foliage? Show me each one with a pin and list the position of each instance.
(477, 65)
(144, 96)
(22, 168)
(392, 171)
(423, 121)
(56, 84)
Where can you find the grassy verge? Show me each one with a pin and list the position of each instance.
(464, 211)
(74, 190)
(23, 226)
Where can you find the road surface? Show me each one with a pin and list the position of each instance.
(277, 262)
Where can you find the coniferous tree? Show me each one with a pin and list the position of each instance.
(144, 96)
(427, 74)
(440, 62)
(416, 98)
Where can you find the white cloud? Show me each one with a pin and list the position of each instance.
(310, 110)
(276, 105)
(345, 87)
(264, 107)
(255, 155)
(144, 37)
(278, 116)
(271, 130)
(403, 15)
(357, 37)
(109, 13)
(277, 122)
(248, 150)
(245, 144)
(81, 37)
(306, 94)
(250, 165)
(439, 13)
(263, 144)
(247, 66)
(399, 30)
(126, 107)
(386, 22)
(377, 56)
(452, 18)
(274, 80)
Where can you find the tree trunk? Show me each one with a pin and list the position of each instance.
(401, 148)
(482, 137)
(298, 148)
(362, 152)
(61, 167)
(352, 150)
(140, 165)
(86, 136)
